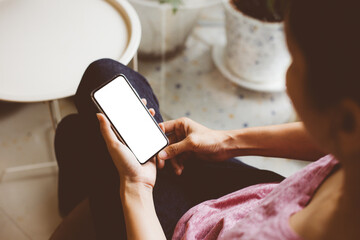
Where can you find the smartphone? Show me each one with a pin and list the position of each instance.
(130, 119)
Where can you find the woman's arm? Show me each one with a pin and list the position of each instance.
(136, 184)
(287, 141)
(189, 137)
(139, 212)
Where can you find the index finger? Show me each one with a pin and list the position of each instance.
(169, 126)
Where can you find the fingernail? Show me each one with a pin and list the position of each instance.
(178, 171)
(163, 154)
(98, 116)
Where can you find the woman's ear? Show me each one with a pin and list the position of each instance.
(346, 127)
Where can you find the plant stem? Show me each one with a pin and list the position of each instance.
(174, 3)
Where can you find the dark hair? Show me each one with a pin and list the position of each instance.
(328, 34)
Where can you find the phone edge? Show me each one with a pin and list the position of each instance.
(112, 126)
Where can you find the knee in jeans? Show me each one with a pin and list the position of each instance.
(101, 64)
(105, 67)
(97, 73)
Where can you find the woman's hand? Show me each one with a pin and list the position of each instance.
(189, 139)
(136, 184)
(129, 168)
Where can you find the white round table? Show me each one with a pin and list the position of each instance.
(46, 45)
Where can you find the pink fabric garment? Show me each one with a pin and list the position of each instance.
(257, 212)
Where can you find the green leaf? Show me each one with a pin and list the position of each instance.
(174, 3)
(277, 13)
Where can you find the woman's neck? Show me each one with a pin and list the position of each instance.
(351, 181)
(346, 199)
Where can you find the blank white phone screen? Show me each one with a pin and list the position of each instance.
(129, 117)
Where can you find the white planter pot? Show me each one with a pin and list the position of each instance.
(164, 32)
(256, 51)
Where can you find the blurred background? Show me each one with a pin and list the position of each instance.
(211, 60)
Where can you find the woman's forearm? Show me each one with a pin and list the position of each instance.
(286, 141)
(139, 212)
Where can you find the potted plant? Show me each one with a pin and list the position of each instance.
(166, 24)
(256, 50)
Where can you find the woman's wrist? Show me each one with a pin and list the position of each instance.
(238, 143)
(133, 189)
(139, 211)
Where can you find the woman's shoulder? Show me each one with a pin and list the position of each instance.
(315, 171)
(287, 198)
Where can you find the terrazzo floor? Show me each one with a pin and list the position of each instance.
(188, 85)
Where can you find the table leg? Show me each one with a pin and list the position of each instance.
(29, 167)
(55, 114)
(135, 63)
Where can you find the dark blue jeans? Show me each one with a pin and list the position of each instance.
(87, 171)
